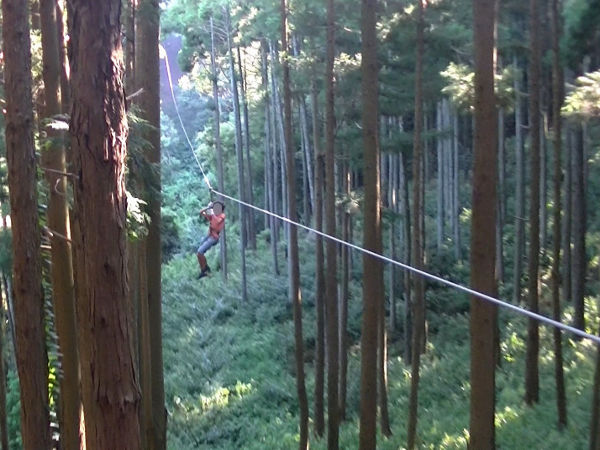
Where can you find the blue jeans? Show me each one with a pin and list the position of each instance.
(207, 243)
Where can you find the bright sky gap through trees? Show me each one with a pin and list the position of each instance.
(480, 295)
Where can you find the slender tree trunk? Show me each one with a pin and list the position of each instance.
(455, 190)
(53, 159)
(320, 263)
(65, 86)
(405, 211)
(372, 268)
(3, 421)
(331, 312)
(31, 354)
(394, 168)
(246, 142)
(310, 192)
(440, 179)
(568, 216)
(543, 182)
(345, 292)
(501, 199)
(557, 100)
(531, 369)
(217, 138)
(148, 79)
(579, 229)
(483, 245)
(144, 347)
(417, 238)
(293, 260)
(240, 159)
(519, 248)
(99, 130)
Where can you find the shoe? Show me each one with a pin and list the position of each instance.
(206, 269)
(201, 275)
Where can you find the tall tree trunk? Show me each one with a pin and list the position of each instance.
(417, 237)
(483, 245)
(455, 190)
(372, 268)
(110, 390)
(3, 411)
(557, 100)
(579, 228)
(519, 248)
(246, 142)
(532, 363)
(148, 78)
(543, 182)
(65, 86)
(240, 159)
(53, 160)
(440, 179)
(331, 312)
(269, 151)
(407, 254)
(501, 199)
(345, 292)
(217, 138)
(32, 361)
(320, 263)
(394, 190)
(293, 259)
(568, 216)
(310, 193)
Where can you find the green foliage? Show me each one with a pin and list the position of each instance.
(583, 101)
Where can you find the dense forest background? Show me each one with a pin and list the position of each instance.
(366, 124)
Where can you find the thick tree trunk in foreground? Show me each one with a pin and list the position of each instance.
(148, 78)
(483, 243)
(295, 294)
(28, 305)
(331, 310)
(418, 324)
(53, 159)
(372, 268)
(110, 388)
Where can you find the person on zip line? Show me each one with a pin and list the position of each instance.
(215, 215)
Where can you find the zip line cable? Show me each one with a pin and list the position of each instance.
(163, 53)
(519, 310)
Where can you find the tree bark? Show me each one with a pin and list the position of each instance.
(345, 292)
(418, 323)
(557, 100)
(32, 361)
(440, 180)
(293, 259)
(217, 138)
(246, 143)
(320, 263)
(579, 262)
(269, 151)
(405, 210)
(519, 248)
(240, 159)
(53, 159)
(148, 78)
(99, 130)
(532, 363)
(483, 245)
(331, 310)
(501, 199)
(3, 421)
(568, 216)
(372, 268)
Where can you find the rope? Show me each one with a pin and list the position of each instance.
(168, 66)
(488, 298)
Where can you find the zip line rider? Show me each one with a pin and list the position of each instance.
(215, 215)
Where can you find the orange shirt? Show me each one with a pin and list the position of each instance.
(216, 224)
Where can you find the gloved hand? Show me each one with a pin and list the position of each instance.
(210, 205)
